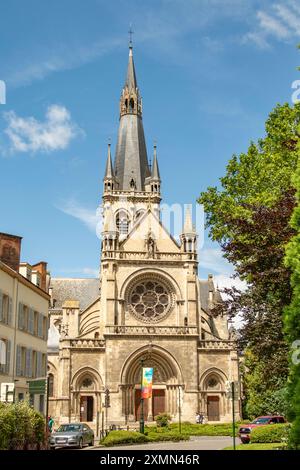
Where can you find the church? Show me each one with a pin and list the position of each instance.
(147, 309)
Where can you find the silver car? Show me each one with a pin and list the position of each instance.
(72, 435)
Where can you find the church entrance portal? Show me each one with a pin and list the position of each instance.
(213, 408)
(152, 406)
(86, 408)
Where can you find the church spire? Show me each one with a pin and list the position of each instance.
(131, 162)
(131, 81)
(155, 170)
(109, 177)
(109, 172)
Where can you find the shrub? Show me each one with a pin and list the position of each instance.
(123, 437)
(151, 435)
(270, 433)
(21, 427)
(163, 419)
(167, 436)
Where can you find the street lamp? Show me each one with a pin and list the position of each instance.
(142, 421)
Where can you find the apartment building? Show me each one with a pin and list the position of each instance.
(24, 303)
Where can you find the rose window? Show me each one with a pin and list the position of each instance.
(150, 300)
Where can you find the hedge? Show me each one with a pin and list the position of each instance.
(270, 433)
(167, 436)
(21, 427)
(123, 437)
(115, 438)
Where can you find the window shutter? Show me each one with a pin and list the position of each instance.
(3, 354)
(9, 320)
(0, 305)
(30, 363)
(31, 321)
(18, 371)
(8, 349)
(39, 357)
(27, 362)
(21, 317)
(43, 365)
(40, 326)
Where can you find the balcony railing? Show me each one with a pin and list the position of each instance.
(87, 343)
(152, 330)
(143, 255)
(216, 344)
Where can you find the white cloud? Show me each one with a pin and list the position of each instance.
(281, 22)
(91, 218)
(212, 259)
(270, 25)
(291, 18)
(224, 281)
(30, 135)
(162, 32)
(69, 58)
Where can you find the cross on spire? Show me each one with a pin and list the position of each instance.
(130, 32)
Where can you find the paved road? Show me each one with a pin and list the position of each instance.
(195, 443)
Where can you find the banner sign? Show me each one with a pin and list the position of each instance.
(37, 387)
(147, 382)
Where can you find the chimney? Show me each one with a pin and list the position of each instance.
(10, 250)
(41, 268)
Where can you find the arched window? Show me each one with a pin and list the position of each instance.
(131, 103)
(51, 385)
(122, 222)
(213, 382)
(87, 383)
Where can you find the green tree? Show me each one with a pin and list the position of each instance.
(292, 317)
(249, 216)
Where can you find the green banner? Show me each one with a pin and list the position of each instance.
(37, 387)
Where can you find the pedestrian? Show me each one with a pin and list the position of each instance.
(50, 423)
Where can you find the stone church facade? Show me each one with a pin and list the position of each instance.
(148, 306)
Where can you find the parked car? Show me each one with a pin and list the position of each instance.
(72, 435)
(245, 429)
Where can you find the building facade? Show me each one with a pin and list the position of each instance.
(148, 306)
(24, 304)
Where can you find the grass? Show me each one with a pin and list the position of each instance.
(268, 446)
(222, 429)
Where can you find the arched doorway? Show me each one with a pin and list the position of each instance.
(166, 381)
(86, 399)
(213, 403)
(86, 395)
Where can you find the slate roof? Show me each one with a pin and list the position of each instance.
(131, 81)
(131, 160)
(205, 286)
(84, 290)
(131, 154)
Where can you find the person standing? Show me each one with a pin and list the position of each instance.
(50, 423)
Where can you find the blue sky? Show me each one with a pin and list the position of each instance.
(209, 72)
